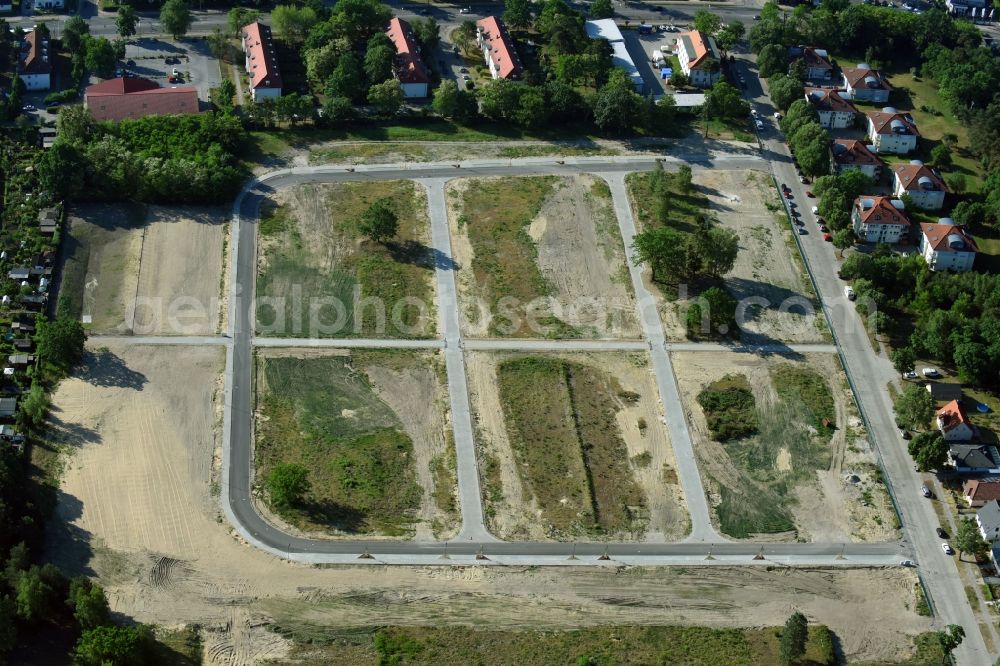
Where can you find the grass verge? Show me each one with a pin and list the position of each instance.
(322, 413)
(561, 420)
(320, 277)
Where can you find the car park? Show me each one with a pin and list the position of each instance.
(946, 547)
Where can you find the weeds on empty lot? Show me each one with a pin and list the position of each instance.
(561, 420)
(323, 414)
(811, 388)
(729, 408)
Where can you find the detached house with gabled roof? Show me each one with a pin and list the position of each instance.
(866, 84)
(954, 423)
(34, 65)
(699, 58)
(854, 154)
(946, 246)
(409, 68)
(978, 492)
(498, 49)
(261, 62)
(879, 219)
(924, 185)
(892, 132)
(818, 65)
(834, 111)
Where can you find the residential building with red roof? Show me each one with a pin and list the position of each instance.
(923, 184)
(854, 154)
(261, 62)
(954, 423)
(699, 58)
(834, 111)
(818, 65)
(866, 84)
(124, 98)
(978, 492)
(879, 219)
(409, 67)
(946, 246)
(891, 131)
(498, 49)
(34, 65)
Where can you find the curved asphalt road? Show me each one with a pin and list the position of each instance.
(477, 544)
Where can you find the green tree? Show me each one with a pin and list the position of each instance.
(617, 107)
(379, 56)
(951, 638)
(452, 102)
(683, 179)
(293, 23)
(601, 9)
(73, 31)
(175, 18)
(915, 407)
(721, 311)
(719, 247)
(379, 222)
(320, 62)
(113, 646)
(517, 13)
(219, 44)
(357, 20)
(101, 57)
(35, 406)
(75, 125)
(784, 90)
(338, 109)
(903, 359)
(428, 32)
(465, 36)
(89, 604)
(223, 94)
(730, 36)
(126, 21)
(240, 17)
(928, 450)
(968, 539)
(664, 249)
(843, 239)
(387, 97)
(34, 596)
(8, 626)
(941, 156)
(346, 79)
(288, 483)
(969, 212)
(793, 639)
(772, 59)
(725, 101)
(60, 342)
(706, 22)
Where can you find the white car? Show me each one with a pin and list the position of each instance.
(931, 373)
(777, 116)
(909, 374)
(907, 563)
(464, 10)
(175, 72)
(946, 547)
(849, 293)
(753, 112)
(815, 210)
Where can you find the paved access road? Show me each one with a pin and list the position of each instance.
(871, 373)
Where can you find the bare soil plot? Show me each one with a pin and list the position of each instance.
(573, 445)
(794, 478)
(540, 257)
(153, 270)
(371, 428)
(318, 276)
(767, 279)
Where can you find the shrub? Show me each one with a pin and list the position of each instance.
(729, 408)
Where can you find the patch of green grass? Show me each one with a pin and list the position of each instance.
(597, 646)
(808, 386)
(322, 278)
(561, 420)
(729, 408)
(685, 211)
(273, 220)
(322, 413)
(182, 647)
(496, 214)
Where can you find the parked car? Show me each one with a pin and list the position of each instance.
(827, 237)
(173, 79)
(759, 125)
(788, 195)
(803, 179)
(907, 563)
(175, 72)
(809, 193)
(464, 10)
(802, 231)
(466, 77)
(925, 491)
(941, 533)
(824, 228)
(905, 434)
(777, 116)
(948, 550)
(28, 107)
(909, 374)
(815, 210)
(464, 70)
(849, 292)
(784, 187)
(753, 112)
(930, 373)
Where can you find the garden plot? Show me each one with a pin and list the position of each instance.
(573, 446)
(319, 276)
(145, 270)
(767, 278)
(540, 257)
(371, 429)
(785, 475)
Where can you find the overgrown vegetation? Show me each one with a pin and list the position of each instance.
(322, 277)
(561, 420)
(729, 408)
(802, 384)
(323, 415)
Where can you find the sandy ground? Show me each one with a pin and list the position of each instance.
(154, 274)
(580, 255)
(180, 272)
(829, 509)
(139, 514)
(514, 514)
(419, 398)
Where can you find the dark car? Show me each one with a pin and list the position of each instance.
(941, 533)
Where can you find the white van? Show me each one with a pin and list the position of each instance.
(849, 292)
